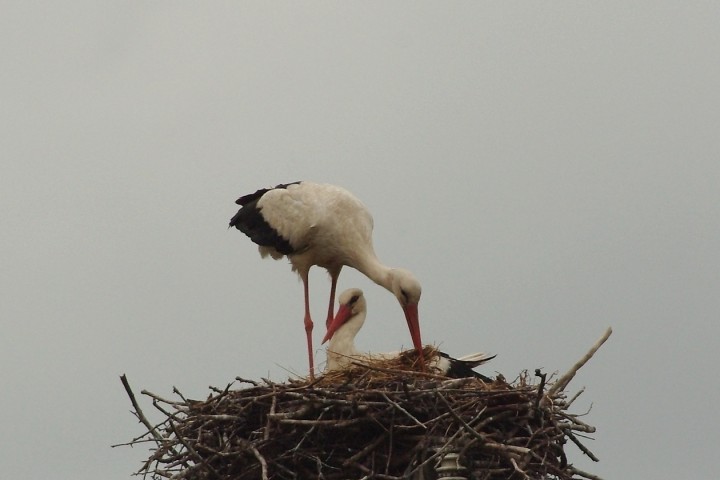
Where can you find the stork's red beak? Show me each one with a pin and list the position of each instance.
(413, 321)
(342, 316)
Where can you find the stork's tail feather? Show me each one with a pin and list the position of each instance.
(265, 251)
(476, 359)
(463, 367)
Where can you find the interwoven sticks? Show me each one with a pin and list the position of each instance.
(383, 420)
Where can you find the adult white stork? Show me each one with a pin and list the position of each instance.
(341, 351)
(323, 225)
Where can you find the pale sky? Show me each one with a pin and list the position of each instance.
(546, 169)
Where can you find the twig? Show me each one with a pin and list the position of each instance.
(326, 423)
(508, 448)
(369, 448)
(245, 380)
(266, 434)
(259, 457)
(138, 411)
(578, 427)
(518, 470)
(539, 396)
(163, 400)
(177, 392)
(582, 447)
(576, 471)
(462, 422)
(191, 450)
(169, 415)
(573, 398)
(408, 414)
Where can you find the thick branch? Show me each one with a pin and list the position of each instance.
(563, 381)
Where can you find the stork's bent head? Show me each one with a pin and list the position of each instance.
(405, 286)
(407, 290)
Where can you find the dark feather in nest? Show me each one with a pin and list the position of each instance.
(385, 420)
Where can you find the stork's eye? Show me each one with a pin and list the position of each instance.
(354, 299)
(404, 295)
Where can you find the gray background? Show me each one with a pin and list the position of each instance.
(546, 170)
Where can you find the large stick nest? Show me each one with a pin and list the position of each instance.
(385, 420)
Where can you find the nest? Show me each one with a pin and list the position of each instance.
(382, 420)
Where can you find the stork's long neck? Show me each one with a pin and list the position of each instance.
(341, 349)
(371, 267)
(343, 340)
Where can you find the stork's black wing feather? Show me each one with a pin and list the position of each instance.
(250, 221)
(245, 199)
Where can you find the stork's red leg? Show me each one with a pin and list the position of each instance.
(308, 326)
(331, 308)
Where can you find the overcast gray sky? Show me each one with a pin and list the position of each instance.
(545, 169)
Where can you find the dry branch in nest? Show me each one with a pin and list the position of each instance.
(385, 420)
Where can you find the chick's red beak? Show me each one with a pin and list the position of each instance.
(342, 316)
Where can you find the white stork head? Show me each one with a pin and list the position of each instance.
(352, 304)
(405, 286)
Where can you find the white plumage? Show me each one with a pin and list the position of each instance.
(323, 225)
(341, 350)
